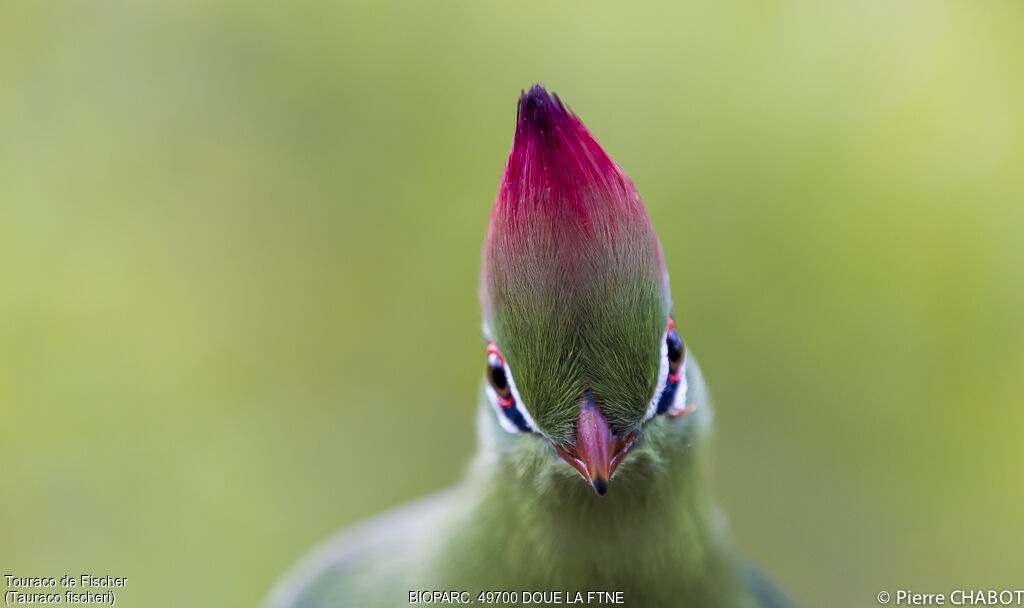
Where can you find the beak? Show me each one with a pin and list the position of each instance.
(597, 452)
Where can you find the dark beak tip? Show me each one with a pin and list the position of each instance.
(600, 485)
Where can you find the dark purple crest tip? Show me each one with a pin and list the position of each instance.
(541, 111)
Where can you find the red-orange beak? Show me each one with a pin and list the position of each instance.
(597, 452)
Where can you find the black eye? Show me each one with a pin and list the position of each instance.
(675, 350)
(497, 371)
(496, 376)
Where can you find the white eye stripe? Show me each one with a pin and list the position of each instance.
(679, 402)
(659, 388)
(503, 419)
(679, 399)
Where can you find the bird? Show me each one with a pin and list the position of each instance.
(589, 480)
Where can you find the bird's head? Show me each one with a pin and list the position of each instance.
(582, 351)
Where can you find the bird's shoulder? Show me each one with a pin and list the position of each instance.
(368, 563)
(766, 592)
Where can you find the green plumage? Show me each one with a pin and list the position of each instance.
(539, 526)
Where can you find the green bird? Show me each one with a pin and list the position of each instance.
(587, 487)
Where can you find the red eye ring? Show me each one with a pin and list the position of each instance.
(676, 351)
(493, 350)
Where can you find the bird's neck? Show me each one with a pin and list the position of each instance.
(537, 523)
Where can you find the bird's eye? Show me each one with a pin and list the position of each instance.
(676, 350)
(501, 391)
(670, 398)
(499, 382)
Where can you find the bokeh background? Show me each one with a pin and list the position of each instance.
(239, 246)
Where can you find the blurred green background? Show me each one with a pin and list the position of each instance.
(239, 246)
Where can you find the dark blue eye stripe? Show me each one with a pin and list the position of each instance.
(513, 414)
(667, 396)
